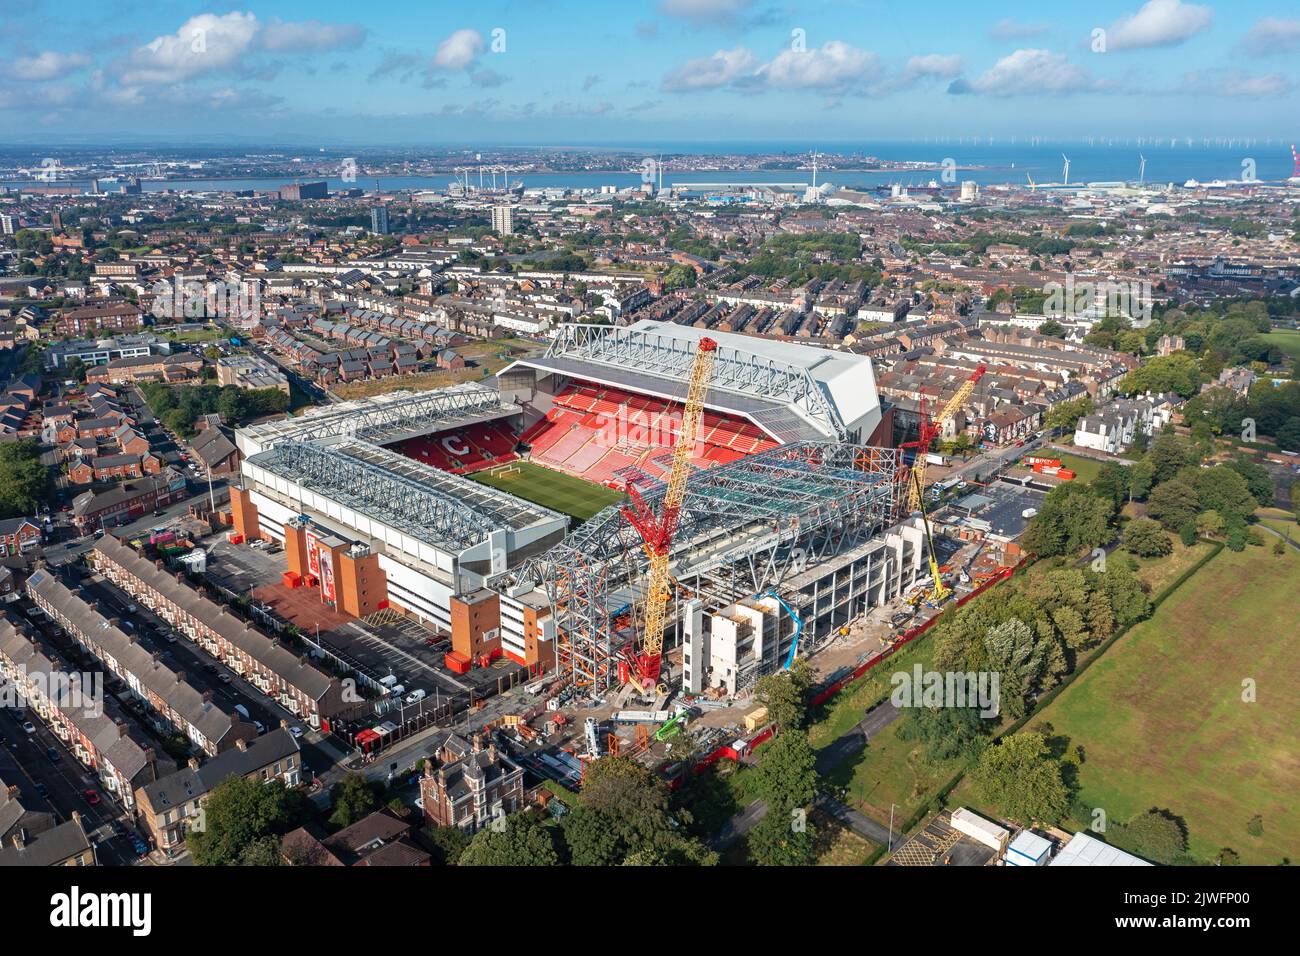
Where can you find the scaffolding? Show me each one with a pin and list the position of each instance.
(744, 528)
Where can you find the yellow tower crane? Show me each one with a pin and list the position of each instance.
(656, 529)
(934, 427)
(940, 592)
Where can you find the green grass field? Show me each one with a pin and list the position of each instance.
(1162, 721)
(1085, 469)
(551, 489)
(1288, 340)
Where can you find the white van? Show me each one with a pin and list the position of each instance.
(415, 696)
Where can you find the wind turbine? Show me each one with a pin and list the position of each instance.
(1142, 169)
(1066, 174)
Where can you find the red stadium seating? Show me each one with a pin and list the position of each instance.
(606, 435)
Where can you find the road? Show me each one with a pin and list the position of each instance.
(839, 750)
(65, 783)
(69, 550)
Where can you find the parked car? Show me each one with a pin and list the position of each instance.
(29, 727)
(52, 754)
(224, 678)
(296, 730)
(92, 797)
(42, 790)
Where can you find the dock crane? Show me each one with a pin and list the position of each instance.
(930, 427)
(657, 530)
(939, 593)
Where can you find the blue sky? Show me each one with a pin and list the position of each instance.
(637, 71)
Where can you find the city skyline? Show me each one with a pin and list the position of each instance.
(661, 70)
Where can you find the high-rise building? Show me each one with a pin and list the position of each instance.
(8, 225)
(379, 221)
(503, 220)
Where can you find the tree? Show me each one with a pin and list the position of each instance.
(1169, 455)
(589, 840)
(945, 733)
(786, 775)
(1156, 835)
(777, 841)
(1165, 373)
(1021, 780)
(785, 694)
(1019, 655)
(1066, 415)
(1146, 538)
(1071, 518)
(521, 842)
(75, 368)
(1209, 524)
(633, 804)
(25, 483)
(351, 799)
(1224, 490)
(1173, 502)
(448, 843)
(679, 277)
(237, 814)
(1187, 532)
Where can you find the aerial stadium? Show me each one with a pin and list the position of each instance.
(785, 505)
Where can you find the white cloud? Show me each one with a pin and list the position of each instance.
(208, 43)
(1273, 35)
(459, 50)
(1158, 23)
(942, 65)
(1233, 83)
(205, 43)
(1027, 72)
(833, 66)
(48, 66)
(710, 72)
(310, 36)
(1009, 29)
(701, 11)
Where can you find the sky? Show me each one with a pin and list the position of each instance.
(618, 72)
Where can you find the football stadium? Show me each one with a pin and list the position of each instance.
(491, 510)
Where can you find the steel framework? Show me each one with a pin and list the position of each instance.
(667, 356)
(391, 415)
(426, 512)
(743, 529)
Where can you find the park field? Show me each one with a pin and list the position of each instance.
(1162, 721)
(1085, 469)
(550, 489)
(1288, 340)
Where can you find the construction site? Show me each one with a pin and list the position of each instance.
(770, 520)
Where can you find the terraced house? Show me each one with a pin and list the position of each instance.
(92, 726)
(172, 700)
(280, 673)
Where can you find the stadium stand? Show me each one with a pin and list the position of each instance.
(464, 450)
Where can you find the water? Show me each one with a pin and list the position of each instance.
(983, 162)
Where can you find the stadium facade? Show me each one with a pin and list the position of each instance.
(789, 530)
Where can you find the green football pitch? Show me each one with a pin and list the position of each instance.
(550, 489)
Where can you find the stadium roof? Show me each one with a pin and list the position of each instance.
(801, 392)
(441, 509)
(384, 418)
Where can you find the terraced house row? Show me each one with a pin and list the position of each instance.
(101, 736)
(288, 678)
(175, 702)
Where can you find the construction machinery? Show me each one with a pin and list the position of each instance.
(931, 427)
(656, 529)
(939, 593)
(798, 628)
